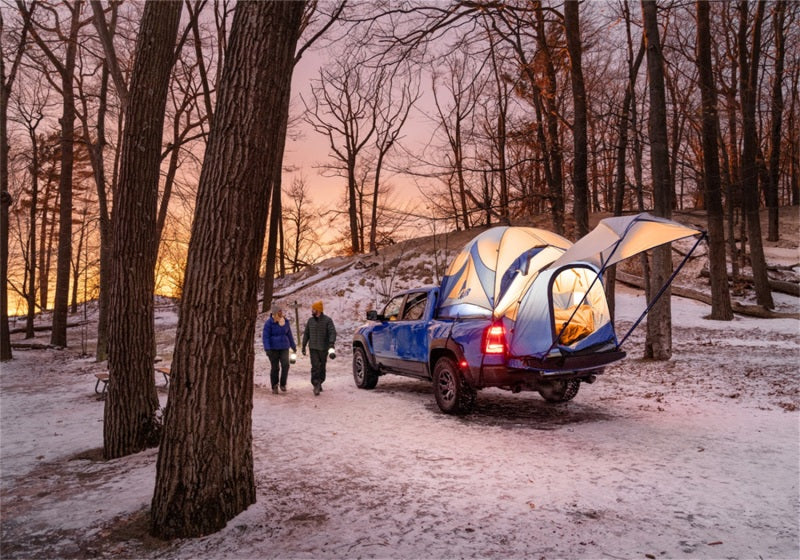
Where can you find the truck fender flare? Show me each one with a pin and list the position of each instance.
(446, 346)
(359, 340)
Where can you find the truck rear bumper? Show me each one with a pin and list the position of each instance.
(530, 372)
(573, 362)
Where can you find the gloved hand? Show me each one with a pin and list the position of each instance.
(331, 353)
(304, 351)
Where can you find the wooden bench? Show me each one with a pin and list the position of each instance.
(101, 378)
(165, 371)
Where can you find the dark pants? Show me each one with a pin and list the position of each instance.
(319, 358)
(278, 358)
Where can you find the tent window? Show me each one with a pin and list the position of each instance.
(576, 316)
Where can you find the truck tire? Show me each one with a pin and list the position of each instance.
(559, 390)
(365, 376)
(453, 395)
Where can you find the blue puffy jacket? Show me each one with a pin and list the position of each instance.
(277, 337)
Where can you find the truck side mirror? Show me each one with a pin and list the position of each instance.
(372, 315)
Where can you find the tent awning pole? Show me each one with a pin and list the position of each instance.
(663, 289)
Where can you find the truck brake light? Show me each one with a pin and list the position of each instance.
(495, 339)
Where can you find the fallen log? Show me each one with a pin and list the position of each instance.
(739, 308)
(782, 286)
(32, 346)
(41, 328)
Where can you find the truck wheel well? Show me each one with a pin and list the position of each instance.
(439, 353)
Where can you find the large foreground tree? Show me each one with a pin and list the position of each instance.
(132, 400)
(205, 464)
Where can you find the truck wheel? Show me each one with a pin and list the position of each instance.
(559, 390)
(453, 395)
(365, 376)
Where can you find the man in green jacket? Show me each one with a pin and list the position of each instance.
(319, 336)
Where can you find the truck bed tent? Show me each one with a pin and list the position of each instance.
(547, 291)
(494, 269)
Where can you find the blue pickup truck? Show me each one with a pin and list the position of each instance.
(519, 308)
(413, 337)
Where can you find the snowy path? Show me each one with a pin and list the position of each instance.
(696, 457)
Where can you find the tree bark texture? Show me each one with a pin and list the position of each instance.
(131, 399)
(658, 342)
(580, 180)
(720, 294)
(204, 473)
(556, 187)
(749, 173)
(777, 122)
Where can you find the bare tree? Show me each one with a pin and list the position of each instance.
(542, 87)
(300, 233)
(658, 342)
(6, 84)
(718, 270)
(30, 112)
(778, 19)
(455, 120)
(131, 401)
(205, 473)
(65, 69)
(627, 119)
(580, 205)
(344, 108)
(392, 115)
(316, 23)
(748, 74)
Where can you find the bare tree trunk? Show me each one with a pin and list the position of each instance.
(205, 473)
(66, 70)
(45, 246)
(5, 201)
(777, 121)
(76, 264)
(551, 117)
(750, 194)
(31, 291)
(272, 240)
(625, 124)
(720, 294)
(96, 151)
(658, 342)
(131, 399)
(580, 181)
(794, 141)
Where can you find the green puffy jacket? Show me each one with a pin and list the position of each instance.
(320, 334)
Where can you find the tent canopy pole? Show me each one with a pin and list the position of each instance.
(703, 236)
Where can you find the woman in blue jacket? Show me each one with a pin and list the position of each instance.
(277, 338)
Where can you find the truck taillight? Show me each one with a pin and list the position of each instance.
(495, 339)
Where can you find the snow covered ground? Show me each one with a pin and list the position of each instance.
(697, 457)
